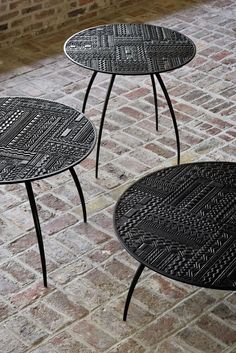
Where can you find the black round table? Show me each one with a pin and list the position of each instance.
(130, 49)
(38, 139)
(180, 222)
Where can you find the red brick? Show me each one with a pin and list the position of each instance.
(103, 221)
(161, 151)
(54, 202)
(23, 243)
(94, 235)
(84, 2)
(104, 252)
(59, 223)
(171, 346)
(199, 340)
(114, 146)
(85, 293)
(193, 306)
(18, 272)
(128, 346)
(137, 93)
(119, 270)
(67, 343)
(3, 27)
(226, 313)
(101, 281)
(133, 113)
(44, 14)
(93, 335)
(171, 142)
(64, 305)
(140, 133)
(61, 254)
(132, 164)
(152, 299)
(30, 294)
(109, 322)
(221, 55)
(218, 329)
(8, 16)
(26, 329)
(69, 272)
(46, 316)
(31, 9)
(158, 330)
(32, 259)
(19, 4)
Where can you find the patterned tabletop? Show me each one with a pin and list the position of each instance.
(181, 222)
(39, 138)
(130, 49)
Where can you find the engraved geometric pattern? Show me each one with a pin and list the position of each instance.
(130, 49)
(180, 222)
(39, 138)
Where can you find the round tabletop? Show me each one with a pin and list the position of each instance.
(181, 222)
(129, 49)
(40, 138)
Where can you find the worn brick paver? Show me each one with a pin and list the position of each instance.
(89, 272)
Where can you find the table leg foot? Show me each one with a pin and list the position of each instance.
(37, 229)
(102, 120)
(80, 191)
(172, 114)
(88, 90)
(155, 99)
(131, 289)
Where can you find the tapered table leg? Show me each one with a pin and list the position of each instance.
(102, 120)
(155, 99)
(37, 229)
(172, 115)
(80, 191)
(88, 90)
(131, 289)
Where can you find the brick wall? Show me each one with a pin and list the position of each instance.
(24, 18)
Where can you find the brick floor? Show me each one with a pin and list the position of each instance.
(89, 273)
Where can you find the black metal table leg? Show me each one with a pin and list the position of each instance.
(88, 90)
(102, 120)
(155, 99)
(131, 289)
(37, 229)
(80, 191)
(172, 115)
